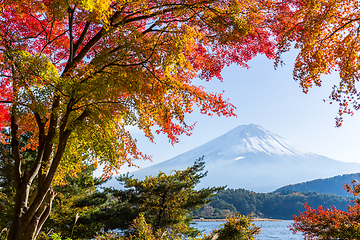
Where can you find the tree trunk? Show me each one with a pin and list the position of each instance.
(23, 228)
(33, 207)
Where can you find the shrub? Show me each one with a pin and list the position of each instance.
(235, 228)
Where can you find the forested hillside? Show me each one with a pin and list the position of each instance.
(269, 205)
(334, 185)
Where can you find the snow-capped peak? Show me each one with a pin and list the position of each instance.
(253, 139)
(253, 158)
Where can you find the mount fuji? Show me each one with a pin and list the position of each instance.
(253, 158)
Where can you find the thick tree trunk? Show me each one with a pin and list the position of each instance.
(31, 212)
(24, 228)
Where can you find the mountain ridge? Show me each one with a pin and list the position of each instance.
(253, 158)
(332, 185)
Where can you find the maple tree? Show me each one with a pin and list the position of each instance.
(75, 73)
(330, 223)
(326, 33)
(77, 198)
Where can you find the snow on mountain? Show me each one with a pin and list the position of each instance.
(252, 139)
(253, 158)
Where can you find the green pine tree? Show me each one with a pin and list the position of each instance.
(165, 200)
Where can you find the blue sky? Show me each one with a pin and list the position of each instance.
(273, 100)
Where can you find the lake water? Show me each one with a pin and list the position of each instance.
(269, 229)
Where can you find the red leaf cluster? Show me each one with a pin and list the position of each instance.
(330, 223)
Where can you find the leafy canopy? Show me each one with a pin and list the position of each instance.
(75, 73)
(326, 32)
(89, 68)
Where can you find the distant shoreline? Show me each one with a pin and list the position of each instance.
(223, 220)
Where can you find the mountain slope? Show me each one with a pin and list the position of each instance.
(253, 158)
(269, 205)
(333, 185)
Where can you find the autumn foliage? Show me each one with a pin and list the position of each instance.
(75, 73)
(132, 63)
(330, 223)
(326, 33)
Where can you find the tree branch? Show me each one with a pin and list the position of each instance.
(90, 44)
(15, 152)
(342, 27)
(82, 37)
(49, 139)
(36, 166)
(71, 19)
(45, 214)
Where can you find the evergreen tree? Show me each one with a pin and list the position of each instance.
(165, 200)
(74, 203)
(6, 187)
